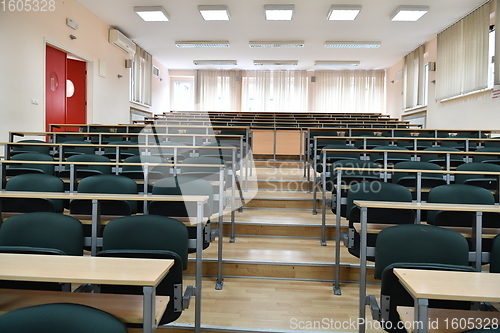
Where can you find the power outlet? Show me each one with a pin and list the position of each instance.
(34, 101)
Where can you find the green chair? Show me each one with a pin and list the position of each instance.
(439, 157)
(110, 184)
(167, 152)
(376, 191)
(124, 152)
(184, 185)
(60, 318)
(40, 233)
(491, 159)
(42, 149)
(77, 150)
(495, 255)
(18, 169)
(205, 172)
(414, 246)
(392, 158)
(82, 171)
(33, 182)
(409, 179)
(136, 172)
(489, 182)
(151, 236)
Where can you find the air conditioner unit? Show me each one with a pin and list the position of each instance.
(120, 40)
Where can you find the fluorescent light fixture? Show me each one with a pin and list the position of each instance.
(279, 12)
(188, 44)
(296, 43)
(276, 62)
(409, 13)
(343, 12)
(353, 45)
(215, 62)
(336, 63)
(214, 13)
(152, 13)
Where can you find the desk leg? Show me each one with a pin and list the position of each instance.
(96, 213)
(149, 310)
(421, 319)
(220, 241)
(362, 267)
(478, 240)
(199, 249)
(338, 203)
(323, 202)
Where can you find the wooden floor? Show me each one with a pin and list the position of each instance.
(277, 276)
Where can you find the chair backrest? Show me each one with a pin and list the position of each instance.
(34, 182)
(357, 175)
(137, 171)
(462, 179)
(33, 167)
(77, 150)
(150, 236)
(415, 165)
(211, 173)
(111, 184)
(45, 149)
(340, 155)
(43, 230)
(181, 185)
(419, 243)
(92, 158)
(495, 255)
(487, 158)
(431, 157)
(379, 191)
(167, 150)
(60, 318)
(458, 194)
(124, 151)
(390, 155)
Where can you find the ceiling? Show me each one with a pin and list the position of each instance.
(309, 24)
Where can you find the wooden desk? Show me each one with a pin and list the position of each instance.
(447, 285)
(96, 270)
(450, 320)
(96, 197)
(364, 205)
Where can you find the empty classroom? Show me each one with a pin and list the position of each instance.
(249, 166)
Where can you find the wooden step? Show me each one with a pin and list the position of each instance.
(280, 257)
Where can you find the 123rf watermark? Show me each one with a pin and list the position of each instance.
(27, 5)
(329, 324)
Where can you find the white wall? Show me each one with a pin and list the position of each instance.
(22, 67)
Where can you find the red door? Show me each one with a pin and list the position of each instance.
(76, 96)
(55, 87)
(66, 81)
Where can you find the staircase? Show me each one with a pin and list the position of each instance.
(278, 239)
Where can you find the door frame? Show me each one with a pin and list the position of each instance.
(89, 79)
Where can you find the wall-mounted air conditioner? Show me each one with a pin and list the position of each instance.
(120, 40)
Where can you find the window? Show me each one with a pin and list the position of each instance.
(414, 76)
(141, 77)
(182, 95)
(462, 56)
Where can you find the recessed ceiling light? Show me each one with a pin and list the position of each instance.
(279, 12)
(336, 63)
(215, 62)
(152, 13)
(214, 13)
(188, 44)
(276, 62)
(409, 13)
(343, 12)
(299, 43)
(353, 45)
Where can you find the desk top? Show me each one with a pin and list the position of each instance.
(449, 285)
(102, 196)
(74, 269)
(427, 206)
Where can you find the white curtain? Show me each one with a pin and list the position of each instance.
(350, 91)
(462, 55)
(217, 90)
(274, 91)
(141, 77)
(414, 76)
